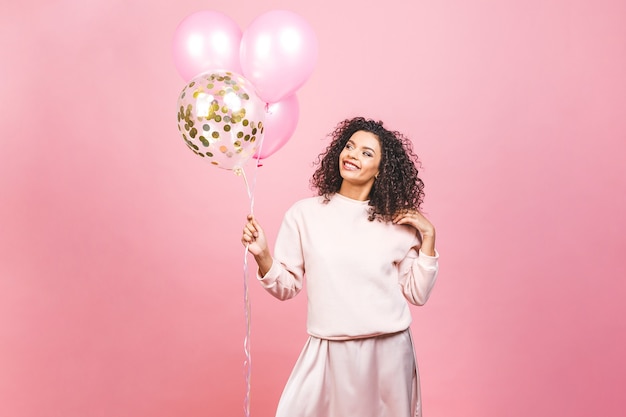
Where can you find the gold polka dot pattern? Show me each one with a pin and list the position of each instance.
(220, 118)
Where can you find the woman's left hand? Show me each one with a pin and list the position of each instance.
(417, 220)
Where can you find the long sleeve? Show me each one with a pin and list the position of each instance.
(418, 273)
(361, 275)
(284, 279)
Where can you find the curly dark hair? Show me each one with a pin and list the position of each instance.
(397, 186)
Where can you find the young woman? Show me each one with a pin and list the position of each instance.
(365, 249)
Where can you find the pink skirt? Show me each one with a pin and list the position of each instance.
(372, 377)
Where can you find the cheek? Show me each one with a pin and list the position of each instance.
(372, 167)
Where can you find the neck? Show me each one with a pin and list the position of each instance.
(360, 193)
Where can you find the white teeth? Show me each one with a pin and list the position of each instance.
(350, 165)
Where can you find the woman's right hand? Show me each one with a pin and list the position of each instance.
(254, 238)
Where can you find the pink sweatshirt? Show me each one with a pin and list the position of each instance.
(359, 273)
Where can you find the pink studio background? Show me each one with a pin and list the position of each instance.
(120, 266)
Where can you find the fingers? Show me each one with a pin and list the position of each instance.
(249, 234)
(251, 230)
(406, 216)
(254, 223)
(253, 226)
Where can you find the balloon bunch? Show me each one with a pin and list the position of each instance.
(241, 85)
(241, 93)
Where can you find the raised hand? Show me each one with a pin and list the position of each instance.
(426, 229)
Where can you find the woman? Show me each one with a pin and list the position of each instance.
(366, 250)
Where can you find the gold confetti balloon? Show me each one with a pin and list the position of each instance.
(221, 118)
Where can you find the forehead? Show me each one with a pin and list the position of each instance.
(365, 139)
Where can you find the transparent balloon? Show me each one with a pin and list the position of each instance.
(221, 119)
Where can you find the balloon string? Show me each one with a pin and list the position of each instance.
(247, 364)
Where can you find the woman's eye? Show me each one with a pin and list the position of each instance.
(368, 154)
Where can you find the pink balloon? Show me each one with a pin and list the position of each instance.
(278, 53)
(206, 40)
(281, 119)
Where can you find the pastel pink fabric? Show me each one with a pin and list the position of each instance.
(360, 274)
(370, 377)
(360, 277)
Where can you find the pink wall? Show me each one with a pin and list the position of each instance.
(120, 267)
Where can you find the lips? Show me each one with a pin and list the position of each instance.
(350, 166)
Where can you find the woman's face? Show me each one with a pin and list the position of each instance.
(360, 158)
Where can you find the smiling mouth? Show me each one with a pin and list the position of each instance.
(350, 166)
